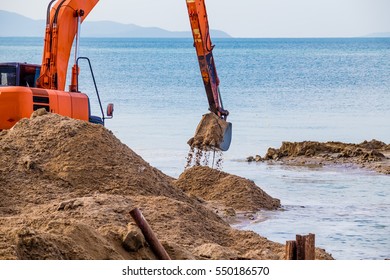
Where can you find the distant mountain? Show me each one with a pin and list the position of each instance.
(115, 29)
(15, 25)
(379, 34)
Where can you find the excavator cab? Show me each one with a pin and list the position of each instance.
(19, 74)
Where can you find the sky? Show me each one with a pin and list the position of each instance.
(243, 18)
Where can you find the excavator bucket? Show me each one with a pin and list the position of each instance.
(212, 133)
(227, 137)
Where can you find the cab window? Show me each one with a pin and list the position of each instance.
(7, 76)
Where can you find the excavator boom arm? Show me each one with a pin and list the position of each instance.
(61, 28)
(204, 49)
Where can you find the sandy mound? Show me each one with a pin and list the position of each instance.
(226, 189)
(369, 154)
(209, 133)
(66, 189)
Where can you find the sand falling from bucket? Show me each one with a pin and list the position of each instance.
(205, 145)
(199, 157)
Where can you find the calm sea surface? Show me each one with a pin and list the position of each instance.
(276, 90)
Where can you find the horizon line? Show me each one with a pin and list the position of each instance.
(384, 34)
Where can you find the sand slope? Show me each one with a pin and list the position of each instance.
(229, 190)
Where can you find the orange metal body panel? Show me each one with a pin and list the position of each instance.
(80, 106)
(59, 39)
(15, 104)
(71, 104)
(19, 102)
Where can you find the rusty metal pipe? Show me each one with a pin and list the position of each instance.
(149, 235)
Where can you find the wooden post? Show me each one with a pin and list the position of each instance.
(150, 237)
(291, 250)
(310, 253)
(301, 249)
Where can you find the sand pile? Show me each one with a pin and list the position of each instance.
(228, 190)
(368, 154)
(67, 186)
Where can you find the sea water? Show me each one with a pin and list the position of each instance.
(276, 90)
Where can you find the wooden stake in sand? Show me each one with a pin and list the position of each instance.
(303, 248)
(150, 237)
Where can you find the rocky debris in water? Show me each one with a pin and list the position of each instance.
(229, 190)
(366, 151)
(372, 154)
(256, 158)
(209, 133)
(66, 190)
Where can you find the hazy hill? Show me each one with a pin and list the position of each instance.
(379, 35)
(15, 25)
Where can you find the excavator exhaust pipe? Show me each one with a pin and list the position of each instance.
(212, 133)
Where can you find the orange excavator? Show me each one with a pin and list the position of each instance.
(204, 49)
(25, 88)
